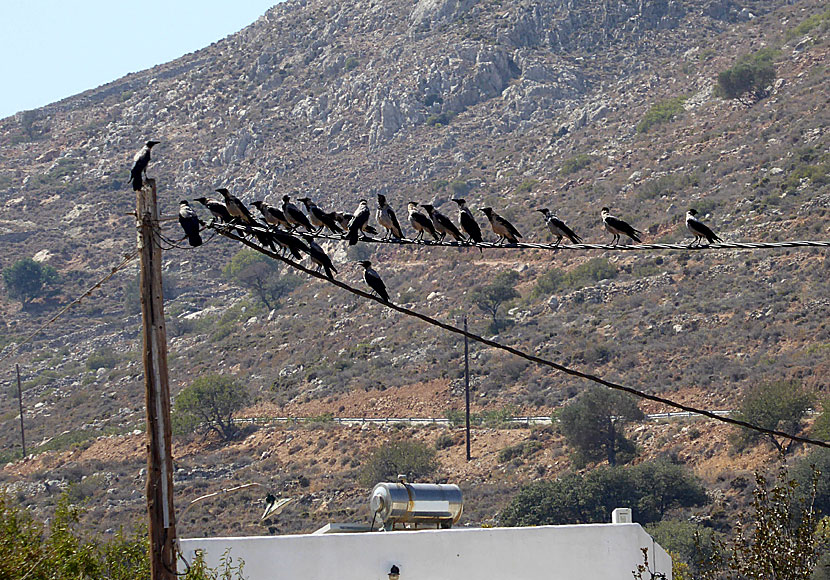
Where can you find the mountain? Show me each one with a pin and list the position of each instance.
(512, 104)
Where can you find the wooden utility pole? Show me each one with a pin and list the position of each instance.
(20, 402)
(162, 518)
(467, 387)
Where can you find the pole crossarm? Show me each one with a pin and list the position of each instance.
(227, 232)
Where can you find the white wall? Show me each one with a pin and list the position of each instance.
(592, 551)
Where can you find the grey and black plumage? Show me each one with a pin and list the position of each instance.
(385, 216)
(559, 228)
(273, 216)
(359, 219)
(443, 224)
(217, 209)
(501, 227)
(699, 230)
(140, 161)
(290, 243)
(319, 256)
(319, 218)
(617, 227)
(344, 218)
(420, 222)
(239, 212)
(373, 280)
(190, 223)
(468, 223)
(294, 215)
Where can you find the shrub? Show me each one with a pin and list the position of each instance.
(260, 275)
(749, 76)
(410, 458)
(26, 280)
(351, 63)
(585, 274)
(660, 113)
(820, 21)
(105, 358)
(208, 405)
(444, 441)
(527, 186)
(575, 164)
(779, 405)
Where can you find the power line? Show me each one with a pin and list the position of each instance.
(127, 259)
(225, 231)
(578, 247)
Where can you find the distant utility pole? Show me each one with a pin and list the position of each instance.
(20, 402)
(162, 518)
(467, 386)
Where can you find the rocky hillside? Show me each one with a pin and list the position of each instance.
(513, 104)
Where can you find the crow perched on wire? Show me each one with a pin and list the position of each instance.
(218, 209)
(699, 230)
(501, 227)
(294, 215)
(385, 216)
(419, 222)
(190, 223)
(558, 228)
(319, 257)
(319, 218)
(616, 226)
(273, 215)
(359, 220)
(468, 222)
(373, 280)
(443, 224)
(139, 171)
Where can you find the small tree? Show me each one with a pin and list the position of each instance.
(208, 405)
(489, 298)
(592, 425)
(260, 275)
(779, 543)
(26, 280)
(748, 79)
(779, 405)
(411, 458)
(821, 426)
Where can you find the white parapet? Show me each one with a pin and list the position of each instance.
(606, 551)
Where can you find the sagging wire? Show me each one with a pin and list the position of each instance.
(225, 231)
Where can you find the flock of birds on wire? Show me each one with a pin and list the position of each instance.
(282, 223)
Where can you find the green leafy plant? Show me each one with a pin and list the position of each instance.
(261, 276)
(27, 280)
(660, 113)
(489, 298)
(411, 458)
(748, 78)
(208, 405)
(577, 163)
(777, 405)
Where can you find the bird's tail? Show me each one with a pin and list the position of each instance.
(138, 183)
(194, 239)
(575, 239)
(352, 236)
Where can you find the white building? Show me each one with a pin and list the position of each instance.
(590, 551)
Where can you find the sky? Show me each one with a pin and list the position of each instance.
(54, 49)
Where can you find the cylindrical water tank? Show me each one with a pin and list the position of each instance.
(417, 503)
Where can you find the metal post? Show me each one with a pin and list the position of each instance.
(467, 386)
(20, 402)
(162, 520)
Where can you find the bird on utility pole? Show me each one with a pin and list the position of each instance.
(558, 228)
(616, 226)
(190, 223)
(699, 230)
(140, 161)
(419, 222)
(373, 280)
(443, 224)
(501, 227)
(385, 216)
(360, 219)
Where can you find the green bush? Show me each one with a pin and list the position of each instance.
(650, 489)
(820, 21)
(410, 458)
(260, 275)
(575, 164)
(440, 119)
(520, 450)
(527, 186)
(208, 405)
(26, 280)
(351, 63)
(556, 280)
(662, 112)
(778, 405)
(105, 358)
(750, 75)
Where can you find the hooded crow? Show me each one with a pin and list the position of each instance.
(616, 226)
(218, 209)
(468, 222)
(558, 228)
(140, 162)
(699, 230)
(501, 227)
(294, 215)
(190, 223)
(319, 218)
(419, 222)
(373, 280)
(360, 219)
(385, 216)
(319, 257)
(443, 224)
(272, 215)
